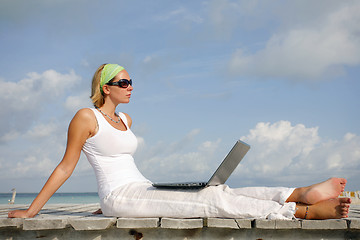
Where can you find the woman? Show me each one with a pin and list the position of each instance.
(109, 144)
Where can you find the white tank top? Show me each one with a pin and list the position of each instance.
(110, 152)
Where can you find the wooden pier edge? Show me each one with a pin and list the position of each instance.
(76, 221)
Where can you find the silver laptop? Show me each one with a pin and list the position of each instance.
(221, 174)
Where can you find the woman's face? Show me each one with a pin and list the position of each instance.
(119, 94)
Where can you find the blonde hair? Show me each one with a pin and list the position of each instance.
(96, 96)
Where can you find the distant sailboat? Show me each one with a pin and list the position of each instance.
(12, 201)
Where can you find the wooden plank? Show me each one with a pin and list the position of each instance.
(92, 222)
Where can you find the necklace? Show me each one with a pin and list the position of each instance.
(110, 117)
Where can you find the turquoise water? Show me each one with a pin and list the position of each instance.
(27, 198)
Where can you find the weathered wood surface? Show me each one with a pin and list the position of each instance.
(80, 217)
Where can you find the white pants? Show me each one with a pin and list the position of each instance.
(143, 200)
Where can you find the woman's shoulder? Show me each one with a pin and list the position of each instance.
(84, 120)
(85, 114)
(128, 118)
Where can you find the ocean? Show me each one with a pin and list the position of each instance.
(27, 198)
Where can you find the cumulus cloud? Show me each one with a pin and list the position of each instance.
(9, 136)
(30, 91)
(281, 154)
(74, 103)
(32, 133)
(276, 146)
(42, 130)
(306, 51)
(23, 100)
(178, 160)
(34, 155)
(34, 166)
(281, 150)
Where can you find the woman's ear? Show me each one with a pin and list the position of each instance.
(106, 89)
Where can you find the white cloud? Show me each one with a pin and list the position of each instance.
(23, 100)
(32, 132)
(35, 153)
(280, 150)
(34, 166)
(141, 141)
(311, 51)
(177, 160)
(280, 153)
(43, 149)
(55, 83)
(35, 89)
(9, 136)
(276, 146)
(178, 15)
(74, 103)
(41, 130)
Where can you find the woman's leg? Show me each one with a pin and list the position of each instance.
(326, 190)
(327, 209)
(143, 200)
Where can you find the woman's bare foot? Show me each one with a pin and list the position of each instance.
(97, 211)
(328, 189)
(328, 209)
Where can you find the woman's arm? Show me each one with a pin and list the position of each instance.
(81, 127)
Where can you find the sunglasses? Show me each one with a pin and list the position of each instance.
(123, 83)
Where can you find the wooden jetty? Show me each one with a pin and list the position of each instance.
(76, 221)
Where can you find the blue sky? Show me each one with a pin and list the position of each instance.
(280, 75)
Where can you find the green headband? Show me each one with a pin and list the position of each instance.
(109, 72)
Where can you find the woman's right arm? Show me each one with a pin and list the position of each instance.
(81, 127)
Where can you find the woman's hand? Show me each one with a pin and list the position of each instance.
(97, 211)
(19, 214)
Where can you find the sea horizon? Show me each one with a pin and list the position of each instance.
(58, 197)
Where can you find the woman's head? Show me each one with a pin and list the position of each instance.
(104, 74)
